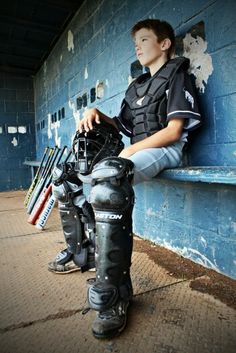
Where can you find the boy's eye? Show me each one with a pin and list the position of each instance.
(141, 41)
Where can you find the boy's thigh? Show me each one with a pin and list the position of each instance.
(150, 162)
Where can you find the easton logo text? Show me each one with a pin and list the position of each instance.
(108, 216)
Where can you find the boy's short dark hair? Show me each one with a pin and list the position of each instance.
(162, 30)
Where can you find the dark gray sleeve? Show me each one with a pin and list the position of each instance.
(182, 101)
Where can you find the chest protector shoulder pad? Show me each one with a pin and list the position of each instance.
(146, 98)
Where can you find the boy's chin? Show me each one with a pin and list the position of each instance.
(142, 62)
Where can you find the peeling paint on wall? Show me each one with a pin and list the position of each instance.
(189, 253)
(53, 131)
(70, 41)
(57, 138)
(86, 73)
(49, 127)
(151, 212)
(14, 142)
(200, 61)
(76, 116)
(199, 258)
(99, 89)
(203, 241)
(75, 112)
(233, 224)
(192, 254)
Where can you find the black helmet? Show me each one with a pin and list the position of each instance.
(104, 140)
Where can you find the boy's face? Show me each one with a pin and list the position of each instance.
(148, 50)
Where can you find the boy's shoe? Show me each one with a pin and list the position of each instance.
(62, 269)
(111, 322)
(61, 264)
(64, 264)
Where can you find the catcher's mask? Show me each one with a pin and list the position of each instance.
(90, 147)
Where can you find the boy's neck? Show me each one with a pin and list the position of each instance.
(157, 65)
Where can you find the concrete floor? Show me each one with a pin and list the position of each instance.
(42, 312)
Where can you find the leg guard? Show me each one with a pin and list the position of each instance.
(112, 198)
(78, 227)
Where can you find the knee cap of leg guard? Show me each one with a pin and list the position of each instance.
(111, 186)
(112, 168)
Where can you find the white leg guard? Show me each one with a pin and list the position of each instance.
(68, 190)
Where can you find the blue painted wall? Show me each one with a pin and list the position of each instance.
(16, 115)
(96, 50)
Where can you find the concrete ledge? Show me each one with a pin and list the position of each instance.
(214, 174)
(32, 163)
(33, 167)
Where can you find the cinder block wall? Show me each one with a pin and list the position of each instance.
(17, 131)
(96, 52)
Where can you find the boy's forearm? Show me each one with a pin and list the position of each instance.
(162, 138)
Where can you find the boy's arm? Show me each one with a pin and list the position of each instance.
(162, 138)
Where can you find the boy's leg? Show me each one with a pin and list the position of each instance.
(112, 198)
(77, 222)
(150, 162)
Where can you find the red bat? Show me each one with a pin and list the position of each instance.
(40, 205)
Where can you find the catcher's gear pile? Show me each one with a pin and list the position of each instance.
(88, 149)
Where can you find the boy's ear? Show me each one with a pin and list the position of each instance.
(165, 44)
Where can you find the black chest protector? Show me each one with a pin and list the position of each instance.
(147, 100)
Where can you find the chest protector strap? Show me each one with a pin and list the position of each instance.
(146, 98)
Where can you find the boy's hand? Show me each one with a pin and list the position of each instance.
(89, 117)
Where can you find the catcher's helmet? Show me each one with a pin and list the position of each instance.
(90, 147)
